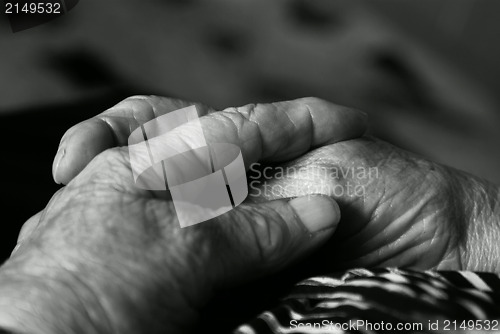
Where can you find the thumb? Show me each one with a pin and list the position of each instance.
(266, 237)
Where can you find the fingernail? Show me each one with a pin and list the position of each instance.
(317, 213)
(55, 166)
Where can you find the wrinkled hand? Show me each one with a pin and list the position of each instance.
(398, 209)
(107, 257)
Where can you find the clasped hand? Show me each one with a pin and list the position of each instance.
(107, 257)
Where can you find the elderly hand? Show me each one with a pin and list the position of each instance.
(398, 209)
(107, 257)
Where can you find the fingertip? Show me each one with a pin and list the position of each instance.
(68, 165)
(80, 145)
(317, 213)
(55, 165)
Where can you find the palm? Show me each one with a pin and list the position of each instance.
(397, 208)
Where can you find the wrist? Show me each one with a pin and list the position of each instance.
(39, 296)
(480, 248)
(32, 303)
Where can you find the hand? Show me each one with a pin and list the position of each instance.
(398, 209)
(107, 257)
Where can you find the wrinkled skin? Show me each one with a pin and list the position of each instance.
(398, 209)
(118, 257)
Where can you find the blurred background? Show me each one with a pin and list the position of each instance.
(426, 71)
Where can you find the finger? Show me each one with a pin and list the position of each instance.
(266, 237)
(81, 143)
(284, 130)
(277, 131)
(270, 132)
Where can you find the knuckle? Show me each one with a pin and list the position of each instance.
(147, 107)
(140, 106)
(132, 101)
(312, 101)
(238, 118)
(232, 120)
(317, 104)
(146, 98)
(246, 111)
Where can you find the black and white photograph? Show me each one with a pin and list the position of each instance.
(250, 166)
